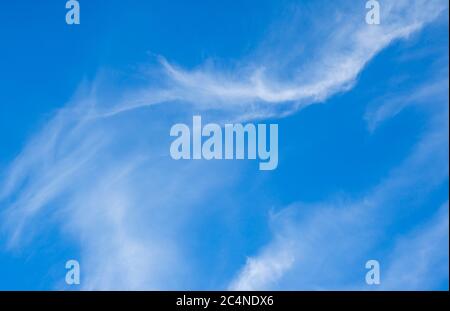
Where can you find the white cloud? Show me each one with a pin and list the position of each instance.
(88, 169)
(255, 86)
(420, 260)
(393, 105)
(339, 236)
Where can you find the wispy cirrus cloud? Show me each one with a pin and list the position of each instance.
(394, 104)
(282, 76)
(89, 167)
(340, 233)
(420, 260)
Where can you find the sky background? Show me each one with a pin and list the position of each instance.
(86, 173)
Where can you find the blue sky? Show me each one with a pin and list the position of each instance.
(86, 174)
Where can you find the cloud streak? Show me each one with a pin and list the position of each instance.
(256, 87)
